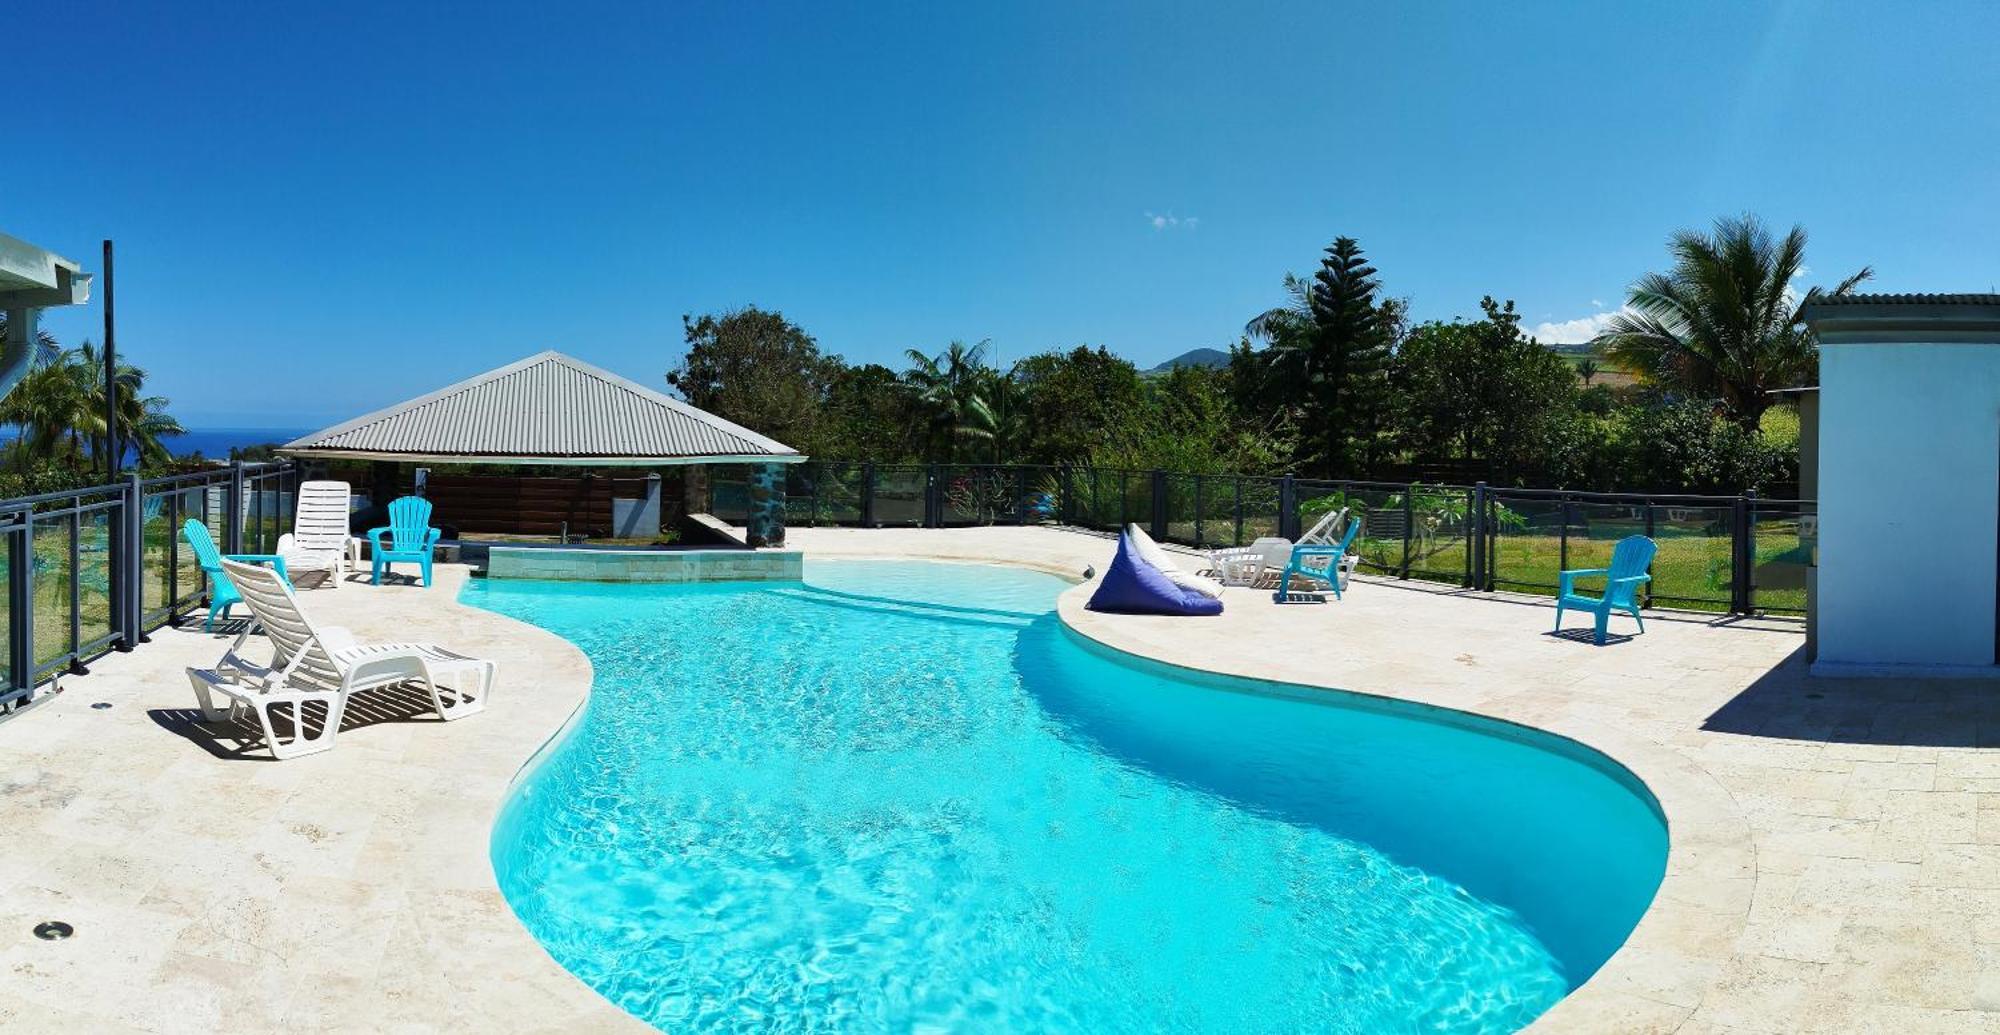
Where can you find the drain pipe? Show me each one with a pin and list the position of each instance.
(18, 354)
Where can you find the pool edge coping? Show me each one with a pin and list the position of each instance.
(1711, 856)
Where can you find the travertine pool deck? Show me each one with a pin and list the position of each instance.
(1835, 862)
(344, 891)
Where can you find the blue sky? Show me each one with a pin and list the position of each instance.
(325, 210)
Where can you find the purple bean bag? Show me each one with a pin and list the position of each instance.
(1133, 587)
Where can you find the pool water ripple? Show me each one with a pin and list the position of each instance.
(902, 796)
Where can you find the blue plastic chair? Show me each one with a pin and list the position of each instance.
(221, 592)
(1629, 561)
(1328, 573)
(411, 537)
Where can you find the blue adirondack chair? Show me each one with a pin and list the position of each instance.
(1328, 572)
(221, 592)
(411, 537)
(1629, 561)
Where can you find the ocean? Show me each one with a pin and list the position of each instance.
(215, 443)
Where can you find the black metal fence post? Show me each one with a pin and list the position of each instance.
(1197, 510)
(1409, 526)
(1237, 538)
(1159, 517)
(933, 516)
(75, 599)
(232, 523)
(1741, 531)
(21, 605)
(1288, 508)
(133, 532)
(1476, 534)
(867, 517)
(1562, 547)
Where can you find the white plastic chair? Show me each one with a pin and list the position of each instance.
(313, 664)
(319, 539)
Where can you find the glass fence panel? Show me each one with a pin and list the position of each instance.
(1784, 536)
(156, 545)
(1259, 509)
(54, 591)
(899, 495)
(979, 495)
(1525, 537)
(1694, 565)
(8, 554)
(93, 575)
(729, 493)
(1179, 493)
(204, 504)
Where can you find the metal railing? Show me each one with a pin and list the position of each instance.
(1733, 554)
(94, 569)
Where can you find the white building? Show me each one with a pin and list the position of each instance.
(1909, 485)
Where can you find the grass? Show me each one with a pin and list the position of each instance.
(1692, 570)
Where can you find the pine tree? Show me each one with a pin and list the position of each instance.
(1330, 350)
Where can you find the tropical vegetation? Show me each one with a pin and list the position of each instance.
(57, 415)
(1334, 380)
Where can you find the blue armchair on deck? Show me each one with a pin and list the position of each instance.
(221, 592)
(1329, 573)
(1629, 561)
(411, 538)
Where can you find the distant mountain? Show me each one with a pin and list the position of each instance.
(1211, 358)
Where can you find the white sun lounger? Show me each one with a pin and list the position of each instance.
(1264, 558)
(320, 539)
(324, 664)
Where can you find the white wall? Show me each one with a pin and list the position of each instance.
(1909, 504)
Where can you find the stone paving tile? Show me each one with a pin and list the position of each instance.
(216, 890)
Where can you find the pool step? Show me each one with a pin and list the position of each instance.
(917, 608)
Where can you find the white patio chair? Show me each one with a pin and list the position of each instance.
(319, 539)
(311, 663)
(1248, 565)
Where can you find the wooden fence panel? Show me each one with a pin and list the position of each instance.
(522, 506)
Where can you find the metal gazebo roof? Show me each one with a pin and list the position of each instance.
(546, 409)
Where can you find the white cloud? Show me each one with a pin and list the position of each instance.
(1169, 221)
(1573, 332)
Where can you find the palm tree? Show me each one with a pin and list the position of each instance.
(142, 419)
(949, 386)
(1586, 369)
(1724, 322)
(59, 410)
(46, 348)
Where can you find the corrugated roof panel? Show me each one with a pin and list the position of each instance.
(548, 405)
(1909, 299)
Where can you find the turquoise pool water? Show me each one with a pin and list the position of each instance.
(902, 796)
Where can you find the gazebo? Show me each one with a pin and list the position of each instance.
(558, 411)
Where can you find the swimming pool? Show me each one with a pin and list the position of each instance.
(902, 795)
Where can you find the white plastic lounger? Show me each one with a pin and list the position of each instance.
(319, 539)
(1262, 560)
(311, 663)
